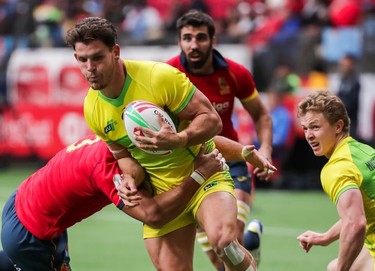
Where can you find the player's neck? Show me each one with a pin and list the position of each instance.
(114, 88)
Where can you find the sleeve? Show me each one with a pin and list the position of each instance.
(172, 87)
(339, 177)
(246, 85)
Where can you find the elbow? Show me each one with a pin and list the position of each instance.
(359, 227)
(218, 125)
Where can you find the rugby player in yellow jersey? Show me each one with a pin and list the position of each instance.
(114, 84)
(348, 178)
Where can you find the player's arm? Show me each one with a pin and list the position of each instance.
(308, 239)
(263, 126)
(133, 173)
(205, 121)
(353, 227)
(158, 210)
(234, 151)
(205, 124)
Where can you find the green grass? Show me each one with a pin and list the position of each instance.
(111, 241)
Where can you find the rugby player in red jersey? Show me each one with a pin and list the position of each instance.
(78, 182)
(222, 80)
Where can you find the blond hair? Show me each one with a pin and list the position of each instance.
(325, 102)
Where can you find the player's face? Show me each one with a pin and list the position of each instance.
(196, 45)
(319, 133)
(97, 63)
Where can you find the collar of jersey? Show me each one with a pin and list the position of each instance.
(120, 99)
(218, 60)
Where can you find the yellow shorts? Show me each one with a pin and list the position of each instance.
(218, 182)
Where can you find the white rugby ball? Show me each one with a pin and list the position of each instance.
(145, 114)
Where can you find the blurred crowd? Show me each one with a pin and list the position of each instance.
(277, 31)
(294, 45)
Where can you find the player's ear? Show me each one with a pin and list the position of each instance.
(116, 51)
(339, 126)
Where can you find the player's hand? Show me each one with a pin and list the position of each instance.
(263, 167)
(264, 173)
(311, 238)
(164, 139)
(128, 192)
(210, 163)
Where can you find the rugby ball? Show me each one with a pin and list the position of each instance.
(145, 114)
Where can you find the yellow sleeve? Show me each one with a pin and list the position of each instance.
(338, 177)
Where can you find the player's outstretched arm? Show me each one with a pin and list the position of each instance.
(157, 211)
(308, 239)
(234, 151)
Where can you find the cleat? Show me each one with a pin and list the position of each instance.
(253, 235)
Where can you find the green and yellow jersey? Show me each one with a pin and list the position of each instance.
(162, 85)
(352, 166)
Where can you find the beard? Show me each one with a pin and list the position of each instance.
(203, 57)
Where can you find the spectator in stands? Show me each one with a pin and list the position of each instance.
(142, 22)
(349, 90)
(285, 80)
(317, 78)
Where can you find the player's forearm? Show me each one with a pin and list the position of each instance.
(264, 132)
(172, 203)
(231, 150)
(130, 167)
(204, 127)
(352, 238)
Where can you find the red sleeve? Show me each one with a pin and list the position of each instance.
(244, 79)
(103, 177)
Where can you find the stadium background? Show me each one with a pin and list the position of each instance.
(41, 89)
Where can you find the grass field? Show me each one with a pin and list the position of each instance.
(111, 241)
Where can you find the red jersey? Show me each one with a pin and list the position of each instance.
(76, 183)
(229, 80)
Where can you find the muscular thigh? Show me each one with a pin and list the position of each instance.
(218, 211)
(173, 251)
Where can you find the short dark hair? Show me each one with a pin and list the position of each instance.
(196, 18)
(92, 28)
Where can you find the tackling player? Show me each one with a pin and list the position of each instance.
(222, 80)
(76, 183)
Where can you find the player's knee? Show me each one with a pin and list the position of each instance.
(221, 238)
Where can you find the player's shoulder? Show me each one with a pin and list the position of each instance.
(174, 61)
(236, 66)
(136, 64)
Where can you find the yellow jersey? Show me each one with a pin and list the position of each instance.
(352, 166)
(158, 83)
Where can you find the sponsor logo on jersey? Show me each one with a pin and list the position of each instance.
(224, 86)
(241, 178)
(110, 126)
(221, 107)
(211, 184)
(371, 164)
